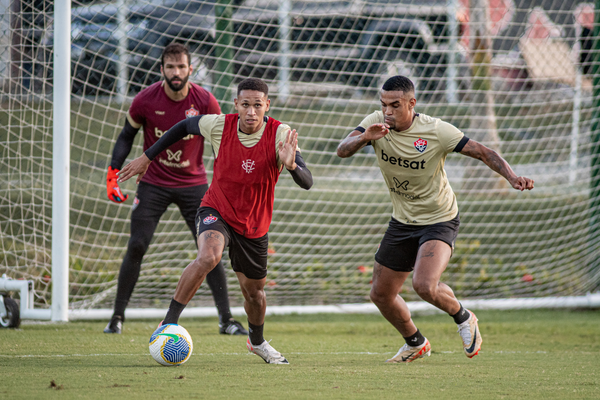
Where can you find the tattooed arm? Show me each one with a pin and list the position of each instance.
(496, 163)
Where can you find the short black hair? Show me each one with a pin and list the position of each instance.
(253, 84)
(399, 83)
(174, 50)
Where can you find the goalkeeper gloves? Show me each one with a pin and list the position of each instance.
(112, 187)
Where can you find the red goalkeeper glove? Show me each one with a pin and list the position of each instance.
(112, 187)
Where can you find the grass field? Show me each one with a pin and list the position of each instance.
(536, 354)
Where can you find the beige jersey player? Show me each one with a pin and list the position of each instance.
(412, 164)
(411, 149)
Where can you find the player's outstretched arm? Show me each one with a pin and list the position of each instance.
(138, 167)
(496, 163)
(173, 135)
(356, 140)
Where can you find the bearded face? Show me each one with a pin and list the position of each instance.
(176, 71)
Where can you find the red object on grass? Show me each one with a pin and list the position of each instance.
(527, 278)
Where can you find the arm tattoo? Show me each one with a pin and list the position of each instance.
(489, 157)
(350, 145)
(497, 163)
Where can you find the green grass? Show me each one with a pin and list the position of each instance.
(535, 354)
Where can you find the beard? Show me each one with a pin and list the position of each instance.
(177, 87)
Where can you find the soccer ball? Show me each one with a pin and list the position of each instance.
(171, 344)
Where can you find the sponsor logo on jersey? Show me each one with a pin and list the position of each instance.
(399, 161)
(407, 196)
(192, 112)
(174, 156)
(248, 165)
(403, 185)
(159, 112)
(183, 164)
(158, 133)
(421, 145)
(209, 220)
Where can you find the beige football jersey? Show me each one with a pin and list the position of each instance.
(412, 165)
(212, 125)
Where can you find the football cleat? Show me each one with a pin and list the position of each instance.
(408, 353)
(470, 335)
(232, 327)
(266, 352)
(115, 325)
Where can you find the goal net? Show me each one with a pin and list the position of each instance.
(514, 75)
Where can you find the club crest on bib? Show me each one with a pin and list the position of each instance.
(209, 220)
(421, 145)
(192, 112)
(248, 165)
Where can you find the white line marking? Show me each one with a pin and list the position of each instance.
(248, 353)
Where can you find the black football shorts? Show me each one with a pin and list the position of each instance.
(400, 244)
(248, 256)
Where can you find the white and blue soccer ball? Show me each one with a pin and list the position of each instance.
(171, 344)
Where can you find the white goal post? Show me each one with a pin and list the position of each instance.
(519, 76)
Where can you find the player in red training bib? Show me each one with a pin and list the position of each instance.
(177, 177)
(250, 151)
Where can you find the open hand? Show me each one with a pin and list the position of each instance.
(376, 131)
(287, 150)
(136, 167)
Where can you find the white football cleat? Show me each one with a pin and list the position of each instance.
(471, 338)
(408, 353)
(266, 352)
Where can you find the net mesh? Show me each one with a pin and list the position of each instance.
(515, 75)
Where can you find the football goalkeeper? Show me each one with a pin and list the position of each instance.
(411, 149)
(177, 177)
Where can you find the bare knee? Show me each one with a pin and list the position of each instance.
(425, 289)
(255, 296)
(203, 264)
(380, 297)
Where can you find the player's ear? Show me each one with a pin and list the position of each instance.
(235, 103)
(268, 105)
(162, 72)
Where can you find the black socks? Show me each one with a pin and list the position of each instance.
(415, 340)
(461, 316)
(256, 333)
(173, 313)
